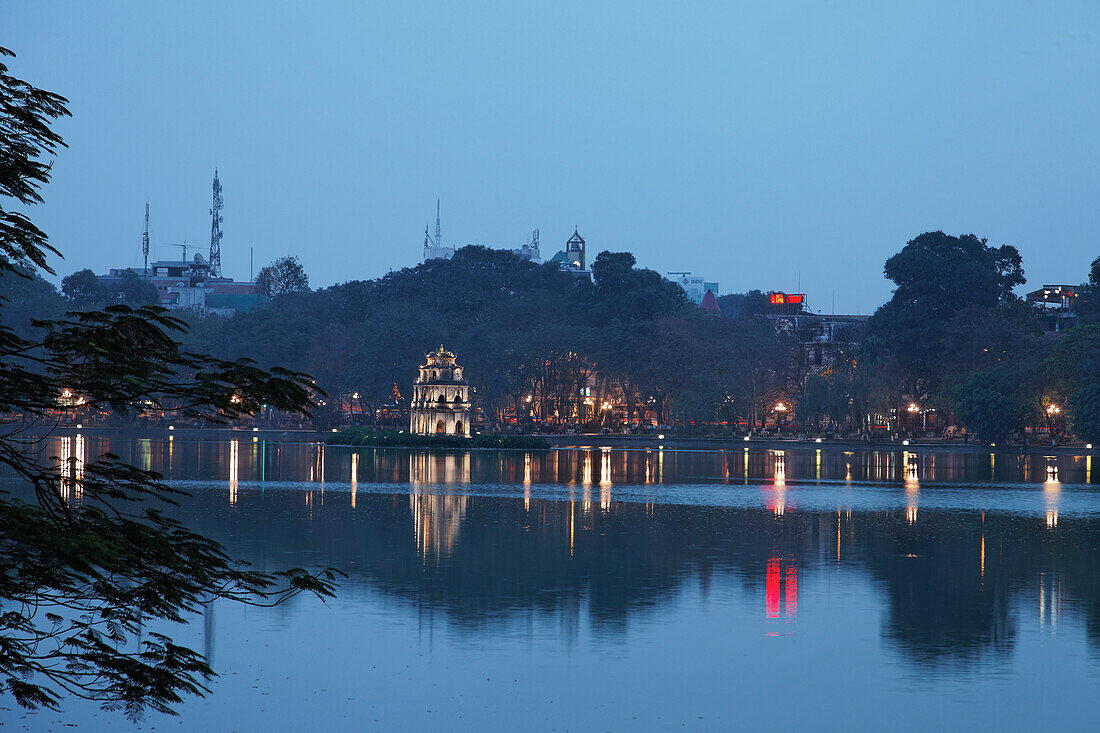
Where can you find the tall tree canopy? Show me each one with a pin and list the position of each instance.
(83, 289)
(940, 279)
(89, 559)
(937, 274)
(283, 276)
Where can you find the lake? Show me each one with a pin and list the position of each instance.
(604, 589)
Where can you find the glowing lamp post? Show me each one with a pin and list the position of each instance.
(780, 409)
(1052, 417)
(915, 408)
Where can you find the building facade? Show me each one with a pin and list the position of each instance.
(574, 257)
(695, 287)
(1054, 305)
(188, 285)
(441, 400)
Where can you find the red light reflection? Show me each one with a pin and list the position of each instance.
(781, 585)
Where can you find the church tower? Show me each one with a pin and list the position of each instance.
(574, 249)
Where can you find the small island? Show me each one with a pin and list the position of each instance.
(439, 416)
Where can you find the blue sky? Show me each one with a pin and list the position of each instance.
(757, 144)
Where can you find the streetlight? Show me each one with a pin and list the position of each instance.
(780, 408)
(1052, 413)
(915, 408)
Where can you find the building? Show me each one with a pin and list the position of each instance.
(1055, 306)
(194, 284)
(529, 250)
(441, 402)
(188, 285)
(434, 249)
(433, 246)
(695, 287)
(574, 258)
(826, 338)
(710, 303)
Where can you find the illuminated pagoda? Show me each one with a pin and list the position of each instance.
(441, 401)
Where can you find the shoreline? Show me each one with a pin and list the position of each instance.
(587, 441)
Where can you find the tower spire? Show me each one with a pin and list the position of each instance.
(438, 241)
(145, 241)
(216, 229)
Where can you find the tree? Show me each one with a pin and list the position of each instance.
(134, 290)
(814, 402)
(89, 558)
(940, 274)
(284, 275)
(27, 297)
(745, 305)
(1073, 367)
(755, 303)
(84, 289)
(625, 293)
(989, 403)
(940, 278)
(1085, 412)
(1088, 305)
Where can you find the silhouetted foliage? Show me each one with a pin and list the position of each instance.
(283, 276)
(990, 403)
(89, 558)
(83, 289)
(133, 290)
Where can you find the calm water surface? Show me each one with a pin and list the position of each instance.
(641, 590)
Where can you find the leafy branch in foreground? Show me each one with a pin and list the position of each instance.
(89, 558)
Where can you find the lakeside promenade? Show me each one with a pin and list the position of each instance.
(597, 440)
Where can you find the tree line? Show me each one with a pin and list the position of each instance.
(954, 345)
(543, 346)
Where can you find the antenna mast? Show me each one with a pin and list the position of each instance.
(438, 241)
(216, 229)
(145, 241)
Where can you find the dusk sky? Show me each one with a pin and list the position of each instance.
(750, 143)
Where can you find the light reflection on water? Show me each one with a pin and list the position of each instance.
(679, 582)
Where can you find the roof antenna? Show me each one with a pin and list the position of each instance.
(145, 241)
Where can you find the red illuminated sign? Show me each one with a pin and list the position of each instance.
(787, 298)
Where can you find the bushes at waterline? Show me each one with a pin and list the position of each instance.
(394, 439)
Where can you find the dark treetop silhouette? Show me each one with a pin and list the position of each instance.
(81, 577)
